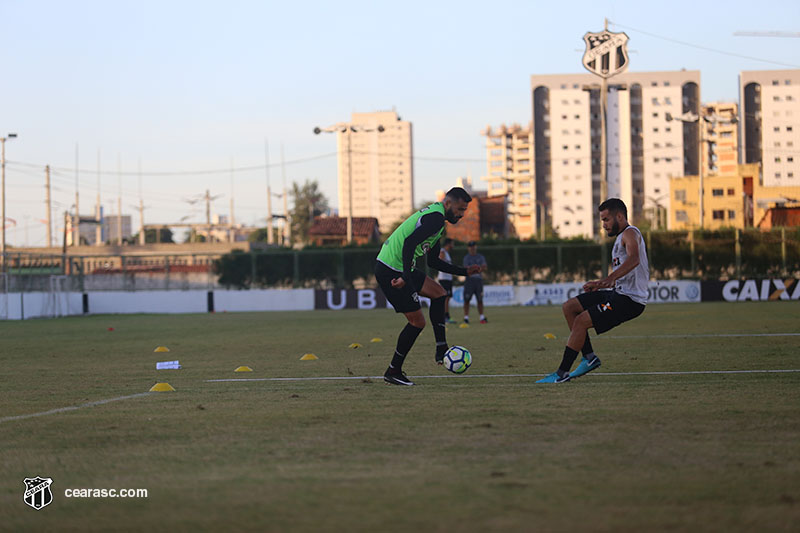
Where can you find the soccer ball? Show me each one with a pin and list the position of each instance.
(457, 359)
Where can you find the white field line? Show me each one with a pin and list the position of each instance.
(342, 378)
(700, 335)
(73, 407)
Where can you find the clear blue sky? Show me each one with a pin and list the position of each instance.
(188, 85)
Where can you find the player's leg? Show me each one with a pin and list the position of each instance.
(479, 296)
(404, 300)
(571, 309)
(438, 295)
(468, 291)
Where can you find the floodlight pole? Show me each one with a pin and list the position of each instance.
(3, 214)
(349, 129)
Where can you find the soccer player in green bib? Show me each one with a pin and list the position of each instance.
(403, 283)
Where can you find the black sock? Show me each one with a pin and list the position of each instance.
(404, 343)
(437, 320)
(566, 363)
(587, 347)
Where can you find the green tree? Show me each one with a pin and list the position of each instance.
(150, 236)
(309, 202)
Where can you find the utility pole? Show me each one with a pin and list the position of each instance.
(76, 238)
(269, 196)
(232, 220)
(98, 213)
(141, 205)
(287, 226)
(119, 201)
(49, 206)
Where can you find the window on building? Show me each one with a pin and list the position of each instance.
(655, 101)
(789, 98)
(680, 195)
(497, 185)
(790, 174)
(731, 192)
(718, 214)
(565, 147)
(668, 100)
(777, 159)
(668, 129)
(681, 216)
(656, 160)
(776, 98)
(655, 115)
(656, 145)
(577, 146)
(775, 82)
(497, 163)
(731, 214)
(717, 192)
(726, 134)
(655, 130)
(789, 128)
(525, 195)
(563, 117)
(778, 175)
(776, 128)
(577, 161)
(656, 190)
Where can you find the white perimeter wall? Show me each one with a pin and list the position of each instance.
(196, 301)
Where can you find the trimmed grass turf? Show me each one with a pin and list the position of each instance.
(605, 453)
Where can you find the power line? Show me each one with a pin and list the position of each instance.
(706, 48)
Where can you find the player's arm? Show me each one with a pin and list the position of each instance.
(435, 261)
(631, 245)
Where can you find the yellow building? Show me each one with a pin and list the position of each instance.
(737, 200)
(510, 164)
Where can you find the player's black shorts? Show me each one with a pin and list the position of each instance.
(473, 286)
(405, 299)
(447, 285)
(609, 309)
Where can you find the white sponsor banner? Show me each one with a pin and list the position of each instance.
(760, 290)
(558, 293)
(493, 295)
(264, 300)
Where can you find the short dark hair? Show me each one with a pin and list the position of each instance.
(457, 193)
(614, 205)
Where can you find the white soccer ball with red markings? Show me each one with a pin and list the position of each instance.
(457, 359)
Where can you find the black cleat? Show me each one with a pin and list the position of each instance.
(394, 377)
(466, 320)
(440, 351)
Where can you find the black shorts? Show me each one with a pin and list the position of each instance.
(473, 286)
(609, 309)
(447, 285)
(405, 299)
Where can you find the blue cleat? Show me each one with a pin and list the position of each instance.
(585, 366)
(554, 378)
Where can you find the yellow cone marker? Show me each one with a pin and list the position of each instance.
(309, 357)
(355, 345)
(376, 339)
(549, 336)
(243, 369)
(161, 349)
(463, 326)
(162, 387)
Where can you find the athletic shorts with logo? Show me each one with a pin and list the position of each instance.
(609, 309)
(406, 298)
(473, 285)
(447, 285)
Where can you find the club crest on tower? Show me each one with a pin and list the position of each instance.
(37, 492)
(606, 53)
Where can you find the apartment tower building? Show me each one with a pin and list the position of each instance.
(376, 163)
(509, 172)
(769, 113)
(652, 135)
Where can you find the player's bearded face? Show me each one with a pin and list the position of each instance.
(455, 210)
(610, 223)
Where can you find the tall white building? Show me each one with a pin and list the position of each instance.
(378, 165)
(647, 143)
(769, 113)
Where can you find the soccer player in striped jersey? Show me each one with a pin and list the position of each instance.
(402, 282)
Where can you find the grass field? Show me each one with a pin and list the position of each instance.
(617, 450)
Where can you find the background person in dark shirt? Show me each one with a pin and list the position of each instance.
(474, 282)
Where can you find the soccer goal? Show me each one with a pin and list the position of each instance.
(57, 301)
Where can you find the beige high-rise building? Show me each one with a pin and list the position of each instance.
(509, 156)
(769, 113)
(378, 165)
(647, 144)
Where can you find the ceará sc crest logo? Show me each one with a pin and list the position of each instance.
(37, 492)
